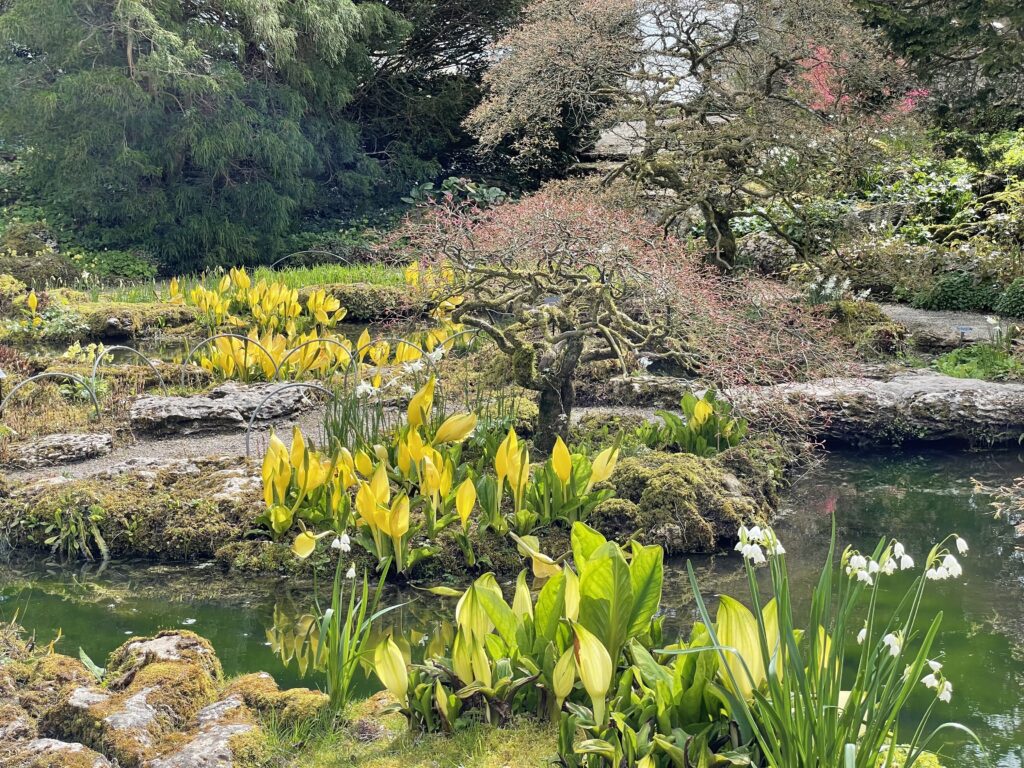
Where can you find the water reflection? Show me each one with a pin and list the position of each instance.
(267, 624)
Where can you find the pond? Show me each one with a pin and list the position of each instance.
(917, 498)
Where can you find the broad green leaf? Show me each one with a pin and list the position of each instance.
(585, 541)
(736, 628)
(646, 574)
(499, 613)
(606, 597)
(550, 607)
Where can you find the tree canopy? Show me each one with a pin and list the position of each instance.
(726, 108)
(205, 131)
(970, 53)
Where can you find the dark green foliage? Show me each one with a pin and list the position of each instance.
(960, 292)
(206, 133)
(1012, 301)
(125, 265)
(969, 53)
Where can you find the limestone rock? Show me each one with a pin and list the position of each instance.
(939, 331)
(228, 407)
(167, 646)
(48, 753)
(909, 406)
(63, 448)
(211, 746)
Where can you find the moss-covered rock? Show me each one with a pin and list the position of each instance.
(290, 706)
(176, 646)
(153, 687)
(367, 303)
(116, 320)
(176, 512)
(868, 329)
(686, 503)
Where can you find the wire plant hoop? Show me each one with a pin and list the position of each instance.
(85, 383)
(240, 337)
(107, 350)
(276, 390)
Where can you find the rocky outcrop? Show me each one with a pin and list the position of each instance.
(886, 408)
(227, 407)
(911, 406)
(61, 448)
(162, 703)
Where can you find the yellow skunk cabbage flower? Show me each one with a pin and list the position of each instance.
(389, 664)
(363, 464)
(277, 472)
(32, 301)
(702, 412)
(564, 677)
(240, 278)
(543, 566)
(455, 428)
(465, 498)
(363, 344)
(595, 668)
(508, 448)
(412, 274)
(380, 486)
(572, 595)
(603, 466)
(421, 403)
(321, 304)
(398, 519)
(561, 461)
(304, 544)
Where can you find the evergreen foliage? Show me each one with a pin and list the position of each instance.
(969, 53)
(204, 132)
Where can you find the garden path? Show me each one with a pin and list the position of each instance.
(946, 330)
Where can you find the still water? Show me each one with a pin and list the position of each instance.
(917, 498)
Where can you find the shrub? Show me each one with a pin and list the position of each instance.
(128, 265)
(1012, 301)
(958, 291)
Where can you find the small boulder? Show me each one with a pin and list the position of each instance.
(53, 753)
(62, 448)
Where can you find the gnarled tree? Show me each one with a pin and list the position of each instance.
(723, 108)
(556, 280)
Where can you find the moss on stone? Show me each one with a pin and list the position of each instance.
(171, 645)
(367, 303)
(119, 320)
(602, 428)
(289, 707)
(864, 325)
(179, 690)
(170, 515)
(683, 502)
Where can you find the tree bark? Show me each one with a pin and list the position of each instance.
(721, 239)
(554, 411)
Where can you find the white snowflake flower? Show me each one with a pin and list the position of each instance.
(961, 546)
(945, 691)
(862, 635)
(343, 543)
(894, 643)
(351, 572)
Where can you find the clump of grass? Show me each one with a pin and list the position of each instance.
(365, 739)
(322, 274)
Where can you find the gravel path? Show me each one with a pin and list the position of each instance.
(945, 330)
